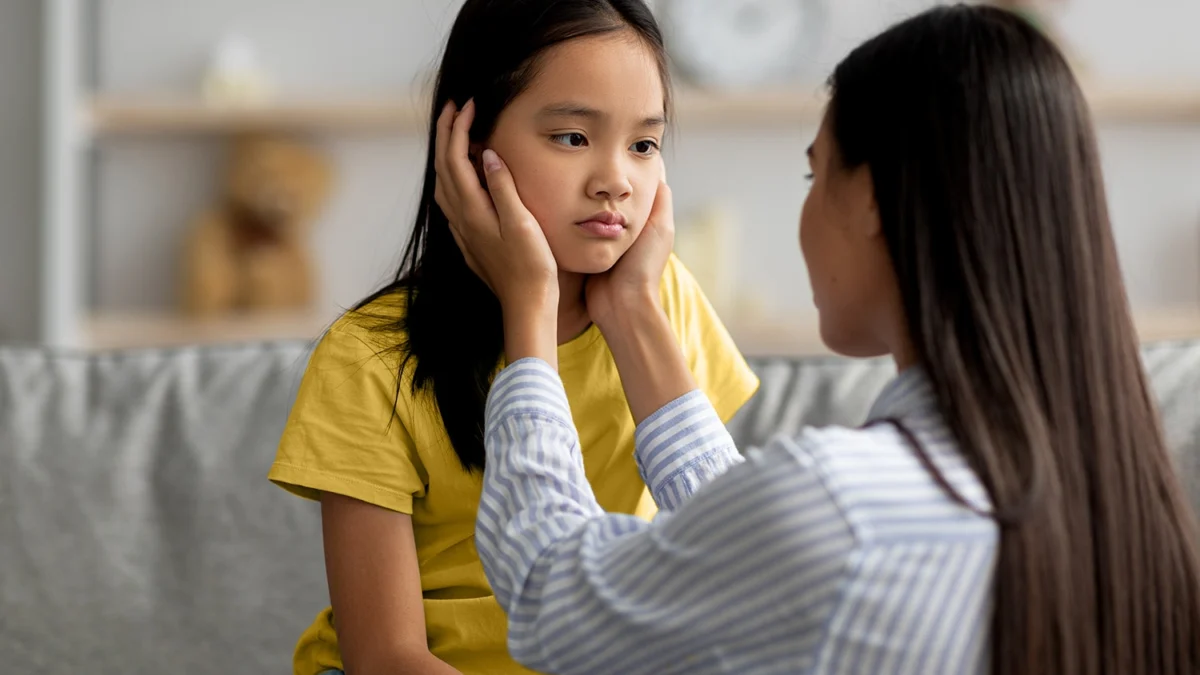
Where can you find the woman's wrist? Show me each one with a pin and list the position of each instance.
(653, 369)
(531, 330)
(631, 309)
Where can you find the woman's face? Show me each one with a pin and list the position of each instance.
(849, 266)
(582, 142)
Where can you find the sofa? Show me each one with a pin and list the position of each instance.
(138, 532)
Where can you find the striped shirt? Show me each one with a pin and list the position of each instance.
(833, 552)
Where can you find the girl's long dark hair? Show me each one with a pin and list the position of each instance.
(990, 194)
(451, 327)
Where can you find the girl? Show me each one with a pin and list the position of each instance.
(387, 429)
(1010, 507)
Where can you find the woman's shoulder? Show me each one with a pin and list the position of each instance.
(882, 486)
(836, 452)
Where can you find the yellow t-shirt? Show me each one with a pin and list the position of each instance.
(340, 437)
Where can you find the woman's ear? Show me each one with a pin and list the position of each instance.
(863, 187)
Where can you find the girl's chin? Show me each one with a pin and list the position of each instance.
(596, 260)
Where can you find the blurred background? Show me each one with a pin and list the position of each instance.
(157, 155)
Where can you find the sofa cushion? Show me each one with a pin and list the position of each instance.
(138, 532)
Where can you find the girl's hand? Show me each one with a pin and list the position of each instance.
(635, 280)
(499, 237)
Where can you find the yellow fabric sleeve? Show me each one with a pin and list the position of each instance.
(342, 436)
(718, 366)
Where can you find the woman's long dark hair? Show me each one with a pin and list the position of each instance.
(451, 324)
(989, 190)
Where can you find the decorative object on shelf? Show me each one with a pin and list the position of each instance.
(705, 242)
(252, 251)
(731, 44)
(235, 76)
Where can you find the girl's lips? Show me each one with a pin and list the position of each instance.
(603, 230)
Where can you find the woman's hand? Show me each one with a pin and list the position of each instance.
(499, 237)
(626, 304)
(635, 280)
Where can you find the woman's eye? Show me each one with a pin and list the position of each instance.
(645, 147)
(572, 140)
(809, 177)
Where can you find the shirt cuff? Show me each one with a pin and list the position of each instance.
(685, 436)
(527, 386)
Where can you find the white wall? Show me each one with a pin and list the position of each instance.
(148, 188)
(20, 167)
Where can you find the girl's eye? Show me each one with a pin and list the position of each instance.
(809, 177)
(571, 140)
(645, 147)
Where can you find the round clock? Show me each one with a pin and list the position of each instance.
(740, 43)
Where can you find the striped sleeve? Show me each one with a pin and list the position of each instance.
(594, 593)
(682, 447)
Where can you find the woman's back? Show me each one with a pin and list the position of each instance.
(918, 592)
(972, 150)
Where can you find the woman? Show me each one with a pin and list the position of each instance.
(1009, 507)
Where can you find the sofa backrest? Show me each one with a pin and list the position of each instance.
(138, 532)
(828, 390)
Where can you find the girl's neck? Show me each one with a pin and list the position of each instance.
(573, 317)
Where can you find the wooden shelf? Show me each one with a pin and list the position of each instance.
(774, 108)
(1144, 102)
(126, 330)
(1111, 102)
(166, 116)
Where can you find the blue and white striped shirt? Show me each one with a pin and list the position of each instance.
(834, 552)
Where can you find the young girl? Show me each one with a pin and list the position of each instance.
(387, 429)
(1010, 506)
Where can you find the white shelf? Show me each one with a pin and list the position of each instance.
(64, 189)
(802, 106)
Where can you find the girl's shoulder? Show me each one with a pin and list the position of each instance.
(679, 290)
(369, 336)
(676, 275)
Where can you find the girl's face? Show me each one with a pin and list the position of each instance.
(582, 142)
(849, 266)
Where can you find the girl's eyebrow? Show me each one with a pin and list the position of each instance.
(572, 110)
(579, 110)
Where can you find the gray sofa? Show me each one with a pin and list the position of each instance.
(138, 533)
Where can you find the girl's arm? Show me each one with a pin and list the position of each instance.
(375, 587)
